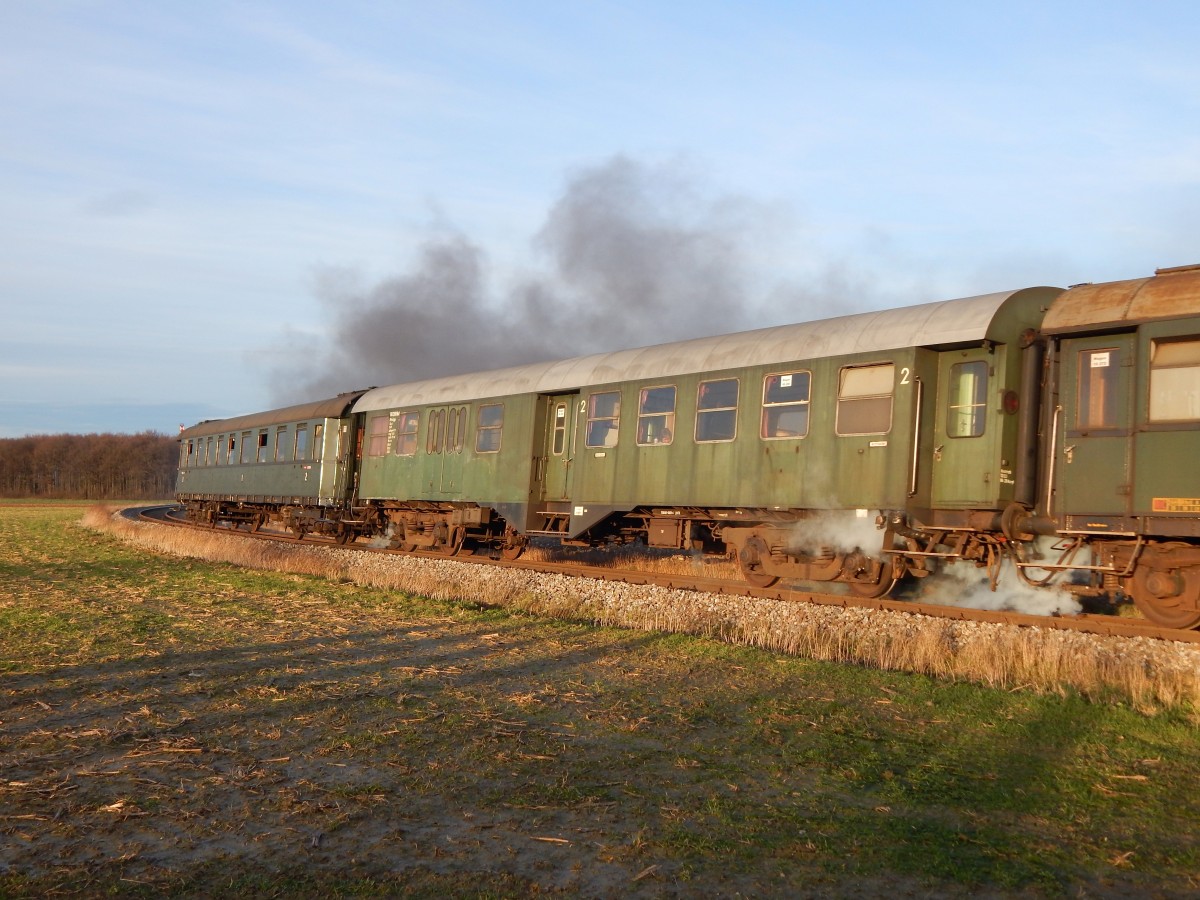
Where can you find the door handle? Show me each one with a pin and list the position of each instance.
(937, 452)
(1069, 453)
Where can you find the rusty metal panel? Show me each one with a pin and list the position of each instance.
(1170, 293)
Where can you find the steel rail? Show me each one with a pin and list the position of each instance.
(1105, 625)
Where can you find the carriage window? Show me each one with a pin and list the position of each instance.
(785, 405)
(1098, 370)
(433, 433)
(460, 430)
(865, 400)
(656, 415)
(604, 415)
(1175, 381)
(281, 444)
(378, 440)
(491, 424)
(318, 441)
(185, 454)
(208, 452)
(560, 429)
(300, 448)
(966, 399)
(231, 450)
(716, 410)
(218, 450)
(262, 445)
(406, 434)
(247, 447)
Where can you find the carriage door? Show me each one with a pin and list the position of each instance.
(445, 438)
(965, 470)
(1093, 452)
(559, 447)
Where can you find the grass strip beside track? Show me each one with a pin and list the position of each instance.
(185, 727)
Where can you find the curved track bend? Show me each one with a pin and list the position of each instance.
(1087, 623)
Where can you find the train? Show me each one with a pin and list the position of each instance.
(974, 430)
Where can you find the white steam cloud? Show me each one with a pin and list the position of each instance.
(964, 584)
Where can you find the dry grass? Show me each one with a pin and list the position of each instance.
(1150, 675)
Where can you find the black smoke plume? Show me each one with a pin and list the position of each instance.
(634, 255)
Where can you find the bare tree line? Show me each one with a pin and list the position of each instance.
(89, 466)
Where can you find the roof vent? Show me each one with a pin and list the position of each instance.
(1194, 267)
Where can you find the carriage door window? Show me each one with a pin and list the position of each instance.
(433, 436)
(966, 400)
(1098, 371)
(281, 444)
(247, 447)
(1175, 381)
(560, 429)
(318, 441)
(460, 430)
(300, 451)
(231, 454)
(262, 446)
(865, 400)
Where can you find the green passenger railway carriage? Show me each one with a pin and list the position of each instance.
(957, 430)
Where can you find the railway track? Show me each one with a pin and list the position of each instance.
(1084, 622)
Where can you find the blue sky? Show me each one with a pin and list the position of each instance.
(180, 183)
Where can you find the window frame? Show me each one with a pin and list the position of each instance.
(406, 436)
(890, 396)
(704, 413)
(614, 429)
(485, 427)
(979, 408)
(1085, 386)
(1155, 344)
(378, 436)
(645, 417)
(768, 406)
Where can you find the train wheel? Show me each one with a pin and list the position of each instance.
(344, 536)
(457, 543)
(1178, 610)
(870, 591)
(750, 562)
(513, 545)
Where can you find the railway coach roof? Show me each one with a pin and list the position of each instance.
(1170, 293)
(997, 317)
(333, 408)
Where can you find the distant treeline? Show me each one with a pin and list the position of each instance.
(89, 466)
